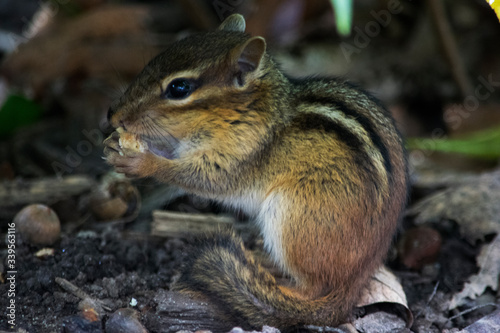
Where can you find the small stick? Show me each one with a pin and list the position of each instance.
(176, 224)
(449, 45)
(477, 307)
(429, 300)
(72, 289)
(43, 190)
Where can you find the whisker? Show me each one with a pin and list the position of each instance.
(122, 86)
(149, 129)
(143, 127)
(156, 132)
(152, 128)
(158, 129)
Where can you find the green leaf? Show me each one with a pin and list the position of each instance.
(17, 111)
(483, 144)
(343, 16)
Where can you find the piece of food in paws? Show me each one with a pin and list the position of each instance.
(131, 141)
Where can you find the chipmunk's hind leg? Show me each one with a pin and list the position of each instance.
(219, 269)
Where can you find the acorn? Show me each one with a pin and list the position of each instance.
(105, 208)
(115, 199)
(38, 224)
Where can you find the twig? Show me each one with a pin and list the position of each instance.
(176, 224)
(43, 190)
(477, 307)
(71, 288)
(428, 300)
(449, 45)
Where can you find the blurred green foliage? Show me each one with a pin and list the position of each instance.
(343, 16)
(17, 111)
(483, 144)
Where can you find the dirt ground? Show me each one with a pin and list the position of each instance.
(106, 265)
(116, 266)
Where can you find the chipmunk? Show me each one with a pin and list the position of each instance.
(317, 162)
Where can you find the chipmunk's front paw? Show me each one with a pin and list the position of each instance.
(131, 162)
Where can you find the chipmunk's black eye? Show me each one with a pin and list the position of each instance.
(179, 89)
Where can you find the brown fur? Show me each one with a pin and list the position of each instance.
(318, 162)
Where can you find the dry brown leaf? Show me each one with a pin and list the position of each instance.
(384, 287)
(472, 204)
(489, 263)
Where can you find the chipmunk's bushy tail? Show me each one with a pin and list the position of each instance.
(223, 271)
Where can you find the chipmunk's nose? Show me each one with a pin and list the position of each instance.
(115, 123)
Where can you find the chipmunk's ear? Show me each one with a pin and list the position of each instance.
(250, 54)
(234, 22)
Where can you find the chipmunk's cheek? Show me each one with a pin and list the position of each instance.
(165, 149)
(163, 152)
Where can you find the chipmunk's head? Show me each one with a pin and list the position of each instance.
(205, 91)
